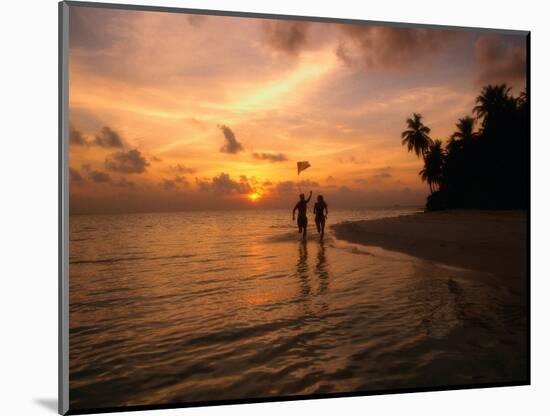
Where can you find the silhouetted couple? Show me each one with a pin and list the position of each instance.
(320, 210)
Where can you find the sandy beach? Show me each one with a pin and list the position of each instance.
(488, 241)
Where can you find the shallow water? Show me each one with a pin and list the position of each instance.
(184, 307)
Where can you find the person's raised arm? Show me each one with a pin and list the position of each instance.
(310, 193)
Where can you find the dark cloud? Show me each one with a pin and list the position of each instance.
(124, 183)
(291, 186)
(267, 183)
(155, 159)
(286, 36)
(99, 177)
(223, 184)
(231, 144)
(75, 176)
(382, 173)
(308, 183)
(382, 47)
(500, 61)
(352, 159)
(196, 20)
(96, 28)
(131, 161)
(285, 186)
(107, 137)
(343, 52)
(173, 183)
(179, 168)
(76, 137)
(272, 157)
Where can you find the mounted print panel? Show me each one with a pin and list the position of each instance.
(260, 208)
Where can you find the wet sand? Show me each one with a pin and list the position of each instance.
(488, 241)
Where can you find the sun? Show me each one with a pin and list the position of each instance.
(254, 196)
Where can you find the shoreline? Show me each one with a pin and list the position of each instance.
(487, 241)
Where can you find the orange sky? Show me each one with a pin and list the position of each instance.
(175, 111)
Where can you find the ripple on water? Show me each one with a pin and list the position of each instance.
(188, 307)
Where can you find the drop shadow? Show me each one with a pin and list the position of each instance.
(48, 404)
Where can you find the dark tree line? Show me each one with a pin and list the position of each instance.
(485, 168)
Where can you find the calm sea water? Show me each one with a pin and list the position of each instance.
(193, 306)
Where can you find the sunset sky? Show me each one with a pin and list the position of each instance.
(176, 111)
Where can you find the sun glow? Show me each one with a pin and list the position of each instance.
(254, 196)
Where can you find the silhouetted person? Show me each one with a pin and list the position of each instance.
(320, 209)
(301, 206)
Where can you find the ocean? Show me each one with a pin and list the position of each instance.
(220, 305)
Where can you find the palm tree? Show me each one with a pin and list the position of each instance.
(464, 136)
(523, 103)
(494, 101)
(465, 130)
(522, 99)
(416, 137)
(433, 165)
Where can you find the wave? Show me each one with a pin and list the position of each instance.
(295, 236)
(122, 259)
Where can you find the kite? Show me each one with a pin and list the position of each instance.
(302, 166)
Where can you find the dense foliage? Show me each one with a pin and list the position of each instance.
(487, 168)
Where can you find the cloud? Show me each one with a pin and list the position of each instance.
(361, 181)
(97, 28)
(182, 169)
(308, 183)
(231, 144)
(291, 186)
(76, 137)
(285, 36)
(99, 177)
(352, 159)
(223, 184)
(382, 176)
(272, 157)
(75, 176)
(173, 183)
(131, 161)
(107, 137)
(382, 47)
(382, 173)
(285, 186)
(499, 61)
(155, 159)
(124, 183)
(196, 20)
